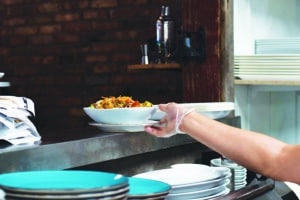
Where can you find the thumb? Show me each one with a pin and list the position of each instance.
(163, 107)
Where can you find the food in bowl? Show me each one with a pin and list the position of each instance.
(120, 110)
(119, 102)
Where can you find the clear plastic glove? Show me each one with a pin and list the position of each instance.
(169, 124)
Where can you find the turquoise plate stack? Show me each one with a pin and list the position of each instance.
(141, 188)
(64, 184)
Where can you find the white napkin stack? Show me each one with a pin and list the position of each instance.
(15, 126)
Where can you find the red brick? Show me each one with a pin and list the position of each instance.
(105, 25)
(43, 60)
(48, 29)
(95, 14)
(42, 39)
(26, 30)
(83, 4)
(67, 17)
(104, 3)
(66, 38)
(48, 7)
(96, 58)
(18, 40)
(133, 2)
(4, 51)
(43, 19)
(13, 21)
(11, 2)
(91, 14)
(77, 27)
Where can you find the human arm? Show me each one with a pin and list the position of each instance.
(255, 151)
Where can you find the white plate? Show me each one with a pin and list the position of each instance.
(197, 193)
(200, 185)
(267, 77)
(4, 84)
(201, 167)
(267, 57)
(217, 162)
(269, 73)
(177, 177)
(224, 192)
(214, 110)
(115, 128)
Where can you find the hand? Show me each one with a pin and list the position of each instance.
(170, 123)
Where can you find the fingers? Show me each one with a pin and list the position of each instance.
(163, 107)
(156, 131)
(167, 123)
(166, 107)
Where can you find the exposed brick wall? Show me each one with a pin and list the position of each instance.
(66, 54)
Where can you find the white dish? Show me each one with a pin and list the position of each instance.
(214, 110)
(198, 193)
(200, 185)
(134, 115)
(4, 84)
(270, 73)
(115, 128)
(268, 57)
(240, 183)
(177, 177)
(222, 193)
(267, 77)
(2, 74)
(239, 173)
(217, 162)
(201, 167)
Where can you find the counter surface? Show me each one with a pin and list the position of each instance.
(87, 150)
(88, 146)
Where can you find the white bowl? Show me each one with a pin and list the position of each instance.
(213, 110)
(133, 115)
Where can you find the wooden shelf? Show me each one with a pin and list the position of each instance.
(155, 66)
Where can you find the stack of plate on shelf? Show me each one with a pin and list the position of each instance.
(267, 67)
(239, 173)
(277, 46)
(69, 184)
(141, 188)
(3, 83)
(192, 181)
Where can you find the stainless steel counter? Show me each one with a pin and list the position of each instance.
(79, 152)
(88, 146)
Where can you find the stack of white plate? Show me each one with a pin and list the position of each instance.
(239, 173)
(267, 67)
(70, 184)
(277, 46)
(3, 83)
(140, 188)
(192, 181)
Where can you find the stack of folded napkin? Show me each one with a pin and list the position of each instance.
(15, 125)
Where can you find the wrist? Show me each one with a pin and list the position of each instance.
(185, 121)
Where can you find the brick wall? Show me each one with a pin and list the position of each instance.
(66, 54)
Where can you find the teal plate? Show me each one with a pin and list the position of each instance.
(140, 187)
(62, 181)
